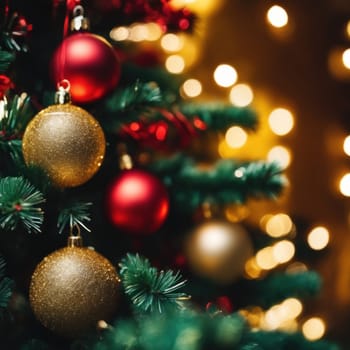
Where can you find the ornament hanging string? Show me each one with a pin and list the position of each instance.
(71, 5)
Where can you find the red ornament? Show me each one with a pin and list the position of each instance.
(137, 202)
(89, 63)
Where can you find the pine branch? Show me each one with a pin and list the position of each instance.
(218, 117)
(280, 286)
(150, 289)
(75, 214)
(225, 182)
(6, 58)
(185, 330)
(15, 116)
(19, 203)
(6, 285)
(133, 100)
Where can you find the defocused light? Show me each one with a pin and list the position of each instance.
(175, 64)
(265, 258)
(346, 145)
(192, 87)
(252, 269)
(236, 212)
(171, 42)
(281, 121)
(277, 16)
(278, 225)
(154, 31)
(348, 29)
(272, 318)
(119, 33)
(241, 95)
(346, 58)
(344, 185)
(236, 137)
(296, 267)
(292, 308)
(225, 75)
(318, 238)
(314, 328)
(283, 251)
(280, 155)
(138, 32)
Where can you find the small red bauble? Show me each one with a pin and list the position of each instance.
(89, 63)
(137, 202)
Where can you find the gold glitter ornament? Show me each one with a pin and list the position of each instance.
(65, 141)
(74, 288)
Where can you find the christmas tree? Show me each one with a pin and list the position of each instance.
(104, 148)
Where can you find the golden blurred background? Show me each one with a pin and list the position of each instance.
(290, 62)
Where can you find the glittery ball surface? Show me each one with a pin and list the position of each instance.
(66, 142)
(72, 289)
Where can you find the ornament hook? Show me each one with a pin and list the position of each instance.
(62, 95)
(74, 239)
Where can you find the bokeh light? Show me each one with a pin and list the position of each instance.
(344, 185)
(346, 58)
(277, 16)
(119, 33)
(346, 145)
(283, 251)
(175, 64)
(281, 121)
(236, 137)
(281, 155)
(171, 42)
(318, 238)
(265, 258)
(278, 225)
(192, 88)
(314, 328)
(241, 95)
(225, 75)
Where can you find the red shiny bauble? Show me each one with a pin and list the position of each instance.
(89, 63)
(137, 202)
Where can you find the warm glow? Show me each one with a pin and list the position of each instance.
(296, 267)
(277, 16)
(281, 121)
(314, 328)
(292, 308)
(265, 259)
(252, 269)
(278, 225)
(344, 185)
(281, 155)
(138, 32)
(154, 31)
(225, 75)
(119, 33)
(236, 137)
(318, 238)
(346, 58)
(192, 88)
(346, 145)
(348, 29)
(171, 42)
(175, 64)
(241, 95)
(283, 251)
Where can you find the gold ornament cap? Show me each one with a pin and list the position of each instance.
(74, 240)
(62, 94)
(79, 22)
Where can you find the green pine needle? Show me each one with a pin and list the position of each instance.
(19, 203)
(137, 97)
(6, 285)
(218, 117)
(14, 117)
(6, 58)
(74, 215)
(150, 289)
